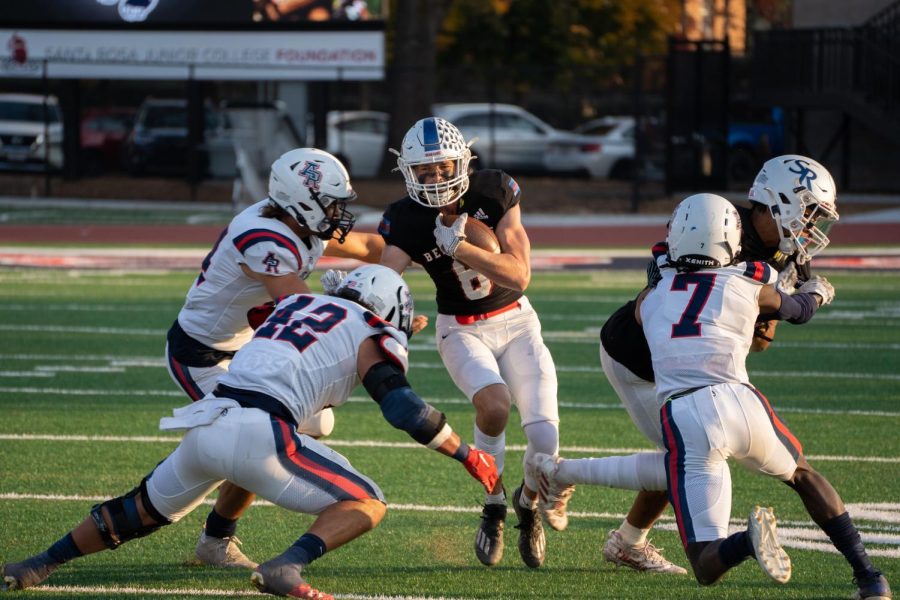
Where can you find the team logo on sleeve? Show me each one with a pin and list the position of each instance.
(271, 263)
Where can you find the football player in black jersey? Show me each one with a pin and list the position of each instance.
(792, 208)
(488, 335)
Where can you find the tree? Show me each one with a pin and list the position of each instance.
(411, 65)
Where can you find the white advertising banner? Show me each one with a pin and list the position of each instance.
(223, 55)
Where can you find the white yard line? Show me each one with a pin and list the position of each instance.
(398, 445)
(148, 591)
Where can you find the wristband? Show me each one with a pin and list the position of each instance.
(462, 453)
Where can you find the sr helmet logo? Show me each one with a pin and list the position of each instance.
(804, 173)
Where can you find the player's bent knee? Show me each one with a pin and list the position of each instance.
(127, 517)
(374, 510)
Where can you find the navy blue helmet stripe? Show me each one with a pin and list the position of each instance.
(430, 135)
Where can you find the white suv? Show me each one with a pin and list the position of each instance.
(30, 132)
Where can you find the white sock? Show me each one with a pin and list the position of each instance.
(641, 471)
(495, 498)
(495, 445)
(632, 535)
(526, 502)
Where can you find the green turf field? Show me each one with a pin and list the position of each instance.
(83, 385)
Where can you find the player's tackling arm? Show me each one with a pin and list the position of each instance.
(386, 383)
(366, 247)
(512, 267)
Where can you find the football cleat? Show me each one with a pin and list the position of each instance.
(873, 588)
(552, 496)
(771, 557)
(489, 538)
(26, 574)
(645, 557)
(280, 577)
(532, 544)
(222, 552)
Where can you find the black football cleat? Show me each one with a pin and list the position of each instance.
(489, 537)
(26, 574)
(532, 543)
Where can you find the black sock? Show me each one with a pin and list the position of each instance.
(735, 549)
(306, 549)
(63, 550)
(218, 526)
(845, 537)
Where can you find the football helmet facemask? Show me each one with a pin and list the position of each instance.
(704, 232)
(382, 291)
(800, 194)
(429, 141)
(313, 187)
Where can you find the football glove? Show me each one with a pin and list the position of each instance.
(819, 286)
(481, 466)
(331, 280)
(787, 279)
(258, 314)
(449, 238)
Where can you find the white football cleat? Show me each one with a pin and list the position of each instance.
(222, 552)
(644, 557)
(771, 557)
(553, 497)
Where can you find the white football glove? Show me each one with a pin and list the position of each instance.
(819, 286)
(331, 280)
(787, 279)
(449, 238)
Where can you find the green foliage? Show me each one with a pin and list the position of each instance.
(533, 42)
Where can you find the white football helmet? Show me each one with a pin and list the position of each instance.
(314, 187)
(704, 232)
(381, 290)
(800, 194)
(434, 140)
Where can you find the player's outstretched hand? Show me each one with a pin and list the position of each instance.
(449, 237)
(331, 279)
(481, 466)
(819, 286)
(787, 279)
(419, 323)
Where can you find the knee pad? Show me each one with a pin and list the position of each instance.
(125, 518)
(319, 425)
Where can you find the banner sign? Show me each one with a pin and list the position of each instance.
(198, 14)
(231, 55)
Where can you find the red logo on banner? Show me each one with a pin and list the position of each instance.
(17, 49)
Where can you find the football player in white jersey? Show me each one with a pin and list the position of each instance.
(699, 322)
(487, 332)
(310, 353)
(266, 252)
(792, 207)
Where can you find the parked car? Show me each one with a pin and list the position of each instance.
(607, 152)
(511, 138)
(754, 136)
(358, 139)
(31, 132)
(159, 140)
(103, 135)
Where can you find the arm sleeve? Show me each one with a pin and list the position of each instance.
(403, 408)
(797, 309)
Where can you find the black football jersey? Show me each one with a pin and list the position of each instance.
(623, 337)
(409, 226)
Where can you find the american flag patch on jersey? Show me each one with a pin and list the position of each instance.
(513, 186)
(384, 227)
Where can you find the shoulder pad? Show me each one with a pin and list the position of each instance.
(268, 252)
